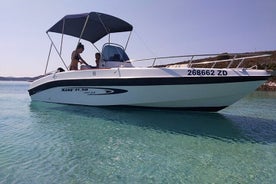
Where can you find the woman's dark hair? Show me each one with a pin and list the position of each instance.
(80, 46)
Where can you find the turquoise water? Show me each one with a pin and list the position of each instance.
(53, 143)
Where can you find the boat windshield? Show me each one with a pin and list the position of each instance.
(114, 52)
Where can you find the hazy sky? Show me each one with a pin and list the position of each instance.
(161, 28)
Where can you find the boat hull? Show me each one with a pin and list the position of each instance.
(210, 93)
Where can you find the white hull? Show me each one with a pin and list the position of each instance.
(148, 87)
(116, 82)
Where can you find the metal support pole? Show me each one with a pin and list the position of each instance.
(214, 64)
(153, 62)
(57, 51)
(190, 62)
(107, 31)
(84, 26)
(61, 42)
(234, 58)
(48, 58)
(128, 40)
(96, 47)
(240, 63)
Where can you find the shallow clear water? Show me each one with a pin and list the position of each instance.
(53, 143)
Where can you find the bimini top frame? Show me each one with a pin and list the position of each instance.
(87, 26)
(90, 26)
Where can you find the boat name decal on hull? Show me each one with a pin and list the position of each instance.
(93, 91)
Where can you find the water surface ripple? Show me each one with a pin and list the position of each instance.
(53, 143)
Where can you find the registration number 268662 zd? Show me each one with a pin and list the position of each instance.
(208, 72)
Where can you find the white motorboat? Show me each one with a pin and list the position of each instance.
(118, 83)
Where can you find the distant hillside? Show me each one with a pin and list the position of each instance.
(29, 79)
(268, 63)
(261, 63)
(15, 78)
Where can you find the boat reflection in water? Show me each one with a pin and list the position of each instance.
(211, 125)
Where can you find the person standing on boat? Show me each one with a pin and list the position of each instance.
(97, 59)
(76, 58)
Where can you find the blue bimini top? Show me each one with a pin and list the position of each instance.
(90, 26)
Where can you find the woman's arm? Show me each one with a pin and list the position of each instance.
(83, 61)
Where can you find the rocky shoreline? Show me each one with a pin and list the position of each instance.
(268, 86)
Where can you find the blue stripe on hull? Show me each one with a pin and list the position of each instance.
(144, 82)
